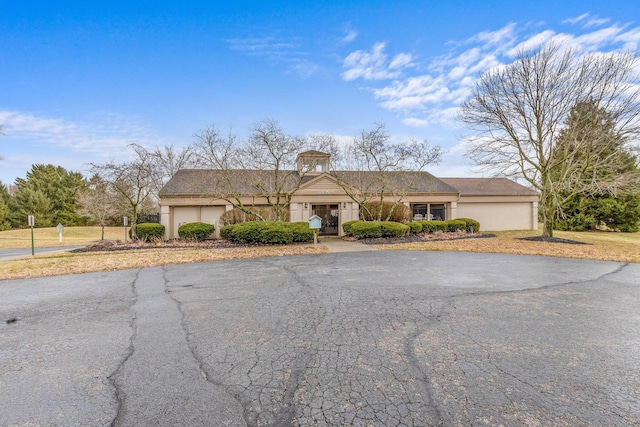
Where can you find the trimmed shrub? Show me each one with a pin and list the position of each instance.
(196, 230)
(372, 229)
(433, 226)
(226, 232)
(267, 232)
(346, 227)
(148, 231)
(394, 229)
(301, 232)
(401, 213)
(473, 226)
(415, 227)
(455, 225)
(276, 233)
(366, 229)
(246, 232)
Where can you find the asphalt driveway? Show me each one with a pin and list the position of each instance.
(383, 338)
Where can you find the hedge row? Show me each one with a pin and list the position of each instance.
(267, 232)
(368, 229)
(196, 230)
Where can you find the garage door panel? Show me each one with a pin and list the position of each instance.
(498, 216)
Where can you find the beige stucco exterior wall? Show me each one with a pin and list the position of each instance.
(493, 212)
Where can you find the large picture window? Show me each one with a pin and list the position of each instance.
(428, 211)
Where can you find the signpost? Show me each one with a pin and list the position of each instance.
(125, 221)
(59, 229)
(32, 223)
(315, 223)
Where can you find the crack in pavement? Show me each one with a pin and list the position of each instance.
(160, 382)
(129, 351)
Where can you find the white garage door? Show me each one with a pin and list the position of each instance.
(498, 216)
(183, 215)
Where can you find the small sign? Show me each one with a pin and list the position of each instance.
(315, 222)
(59, 228)
(32, 221)
(125, 220)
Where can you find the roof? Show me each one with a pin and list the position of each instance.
(201, 182)
(418, 182)
(489, 187)
(206, 182)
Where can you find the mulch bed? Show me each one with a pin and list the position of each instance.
(552, 240)
(119, 245)
(431, 237)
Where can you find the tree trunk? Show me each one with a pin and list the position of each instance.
(548, 214)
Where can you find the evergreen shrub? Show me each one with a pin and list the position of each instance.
(372, 229)
(454, 225)
(148, 231)
(267, 232)
(473, 226)
(346, 227)
(196, 230)
(415, 227)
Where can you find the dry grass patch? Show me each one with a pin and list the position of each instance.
(48, 237)
(66, 263)
(622, 247)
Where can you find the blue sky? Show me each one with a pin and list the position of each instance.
(79, 81)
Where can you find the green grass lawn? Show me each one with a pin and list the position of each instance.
(48, 237)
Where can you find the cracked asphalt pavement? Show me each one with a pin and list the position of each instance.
(384, 338)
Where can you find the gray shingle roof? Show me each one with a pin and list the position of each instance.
(489, 186)
(202, 182)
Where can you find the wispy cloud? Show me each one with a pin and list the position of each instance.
(107, 137)
(425, 98)
(373, 64)
(587, 20)
(278, 50)
(350, 36)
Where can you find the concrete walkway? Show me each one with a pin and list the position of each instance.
(336, 244)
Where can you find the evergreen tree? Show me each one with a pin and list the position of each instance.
(28, 201)
(592, 130)
(4, 207)
(61, 189)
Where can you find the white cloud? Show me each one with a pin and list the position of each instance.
(107, 137)
(350, 36)
(372, 65)
(425, 99)
(491, 38)
(285, 51)
(414, 122)
(587, 20)
(576, 19)
(532, 42)
(401, 60)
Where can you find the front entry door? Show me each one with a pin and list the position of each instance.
(329, 215)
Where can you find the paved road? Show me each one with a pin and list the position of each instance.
(7, 254)
(364, 338)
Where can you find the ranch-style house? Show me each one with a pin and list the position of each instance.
(194, 195)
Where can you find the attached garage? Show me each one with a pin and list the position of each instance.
(497, 203)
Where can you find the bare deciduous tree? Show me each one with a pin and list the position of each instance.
(263, 166)
(166, 160)
(98, 202)
(519, 111)
(376, 170)
(136, 181)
